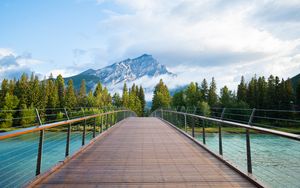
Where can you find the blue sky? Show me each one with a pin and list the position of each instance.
(194, 38)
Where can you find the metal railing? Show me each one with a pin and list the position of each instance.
(24, 151)
(217, 129)
(284, 120)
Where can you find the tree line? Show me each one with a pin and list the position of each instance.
(28, 93)
(259, 92)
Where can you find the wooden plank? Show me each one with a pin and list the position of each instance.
(145, 152)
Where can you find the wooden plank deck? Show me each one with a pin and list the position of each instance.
(144, 152)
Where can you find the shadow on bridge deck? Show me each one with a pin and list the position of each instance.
(144, 152)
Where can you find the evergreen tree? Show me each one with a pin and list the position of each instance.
(90, 99)
(271, 92)
(28, 115)
(226, 98)
(82, 98)
(252, 93)
(60, 84)
(178, 100)
(22, 90)
(204, 90)
(161, 96)
(125, 96)
(212, 95)
(4, 90)
(70, 98)
(242, 90)
(192, 95)
(6, 116)
(33, 92)
(98, 93)
(43, 95)
(52, 93)
(106, 98)
(116, 100)
(141, 96)
(262, 89)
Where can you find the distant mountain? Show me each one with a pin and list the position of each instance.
(128, 70)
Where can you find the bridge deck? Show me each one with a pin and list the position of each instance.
(144, 152)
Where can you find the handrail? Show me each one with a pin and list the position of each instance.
(171, 116)
(107, 119)
(23, 131)
(265, 130)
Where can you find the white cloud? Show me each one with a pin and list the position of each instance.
(202, 39)
(13, 65)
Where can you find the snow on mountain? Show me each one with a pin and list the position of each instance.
(143, 70)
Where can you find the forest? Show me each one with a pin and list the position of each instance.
(19, 98)
(261, 93)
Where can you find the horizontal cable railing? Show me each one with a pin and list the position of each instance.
(283, 120)
(270, 156)
(28, 152)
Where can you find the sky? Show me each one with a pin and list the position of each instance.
(195, 39)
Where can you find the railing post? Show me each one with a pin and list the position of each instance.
(220, 133)
(40, 149)
(94, 128)
(68, 135)
(185, 124)
(203, 131)
(162, 113)
(101, 123)
(106, 121)
(248, 145)
(193, 127)
(84, 128)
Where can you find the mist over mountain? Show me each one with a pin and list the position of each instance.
(138, 70)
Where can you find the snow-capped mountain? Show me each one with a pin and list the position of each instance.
(138, 70)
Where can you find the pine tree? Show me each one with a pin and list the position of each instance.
(60, 84)
(4, 90)
(125, 96)
(204, 90)
(28, 115)
(262, 88)
(161, 96)
(271, 92)
(252, 93)
(98, 93)
(289, 97)
(52, 93)
(22, 90)
(116, 100)
(212, 95)
(178, 100)
(226, 97)
(192, 95)
(82, 98)
(34, 91)
(70, 98)
(10, 103)
(242, 90)
(90, 99)
(43, 95)
(141, 96)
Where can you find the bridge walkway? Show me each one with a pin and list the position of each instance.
(144, 152)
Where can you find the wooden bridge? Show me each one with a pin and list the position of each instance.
(143, 152)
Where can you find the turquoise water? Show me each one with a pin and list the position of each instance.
(275, 160)
(18, 155)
